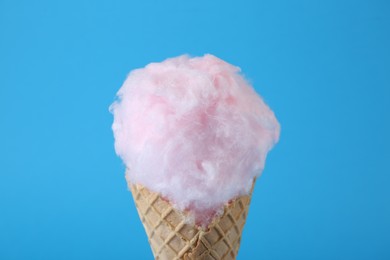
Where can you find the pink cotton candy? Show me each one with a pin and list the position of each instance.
(193, 130)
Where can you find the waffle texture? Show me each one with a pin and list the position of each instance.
(171, 237)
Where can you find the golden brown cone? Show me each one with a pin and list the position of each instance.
(171, 237)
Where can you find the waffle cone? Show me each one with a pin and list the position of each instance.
(171, 237)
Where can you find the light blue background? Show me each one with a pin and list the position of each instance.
(322, 66)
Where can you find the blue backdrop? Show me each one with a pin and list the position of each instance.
(322, 66)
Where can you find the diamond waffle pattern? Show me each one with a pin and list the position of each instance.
(171, 237)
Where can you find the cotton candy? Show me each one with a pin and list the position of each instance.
(193, 130)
